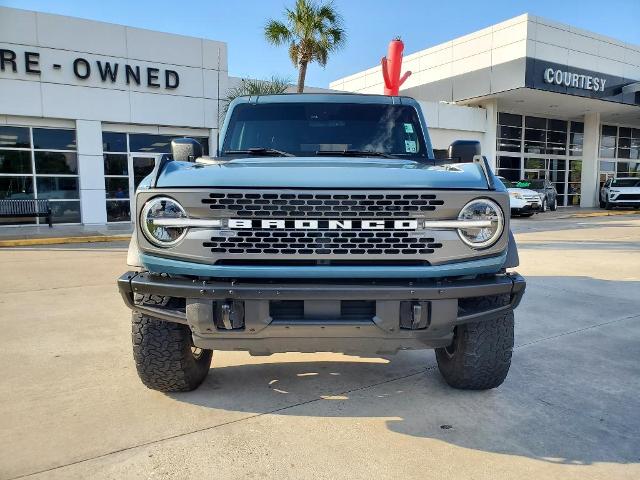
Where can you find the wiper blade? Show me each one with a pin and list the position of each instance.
(356, 153)
(259, 151)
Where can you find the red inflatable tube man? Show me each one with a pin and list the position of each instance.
(391, 66)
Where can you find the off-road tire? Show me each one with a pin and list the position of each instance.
(480, 354)
(602, 204)
(544, 206)
(554, 205)
(164, 357)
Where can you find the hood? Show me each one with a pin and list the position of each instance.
(314, 172)
(524, 191)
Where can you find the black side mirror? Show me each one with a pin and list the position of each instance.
(463, 151)
(185, 149)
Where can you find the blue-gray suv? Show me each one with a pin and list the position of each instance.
(323, 223)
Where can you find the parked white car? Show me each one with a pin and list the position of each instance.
(522, 201)
(620, 192)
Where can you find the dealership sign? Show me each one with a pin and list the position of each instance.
(574, 80)
(83, 69)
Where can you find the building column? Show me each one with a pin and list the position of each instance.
(590, 167)
(91, 171)
(490, 138)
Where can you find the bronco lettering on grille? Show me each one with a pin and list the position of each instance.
(309, 224)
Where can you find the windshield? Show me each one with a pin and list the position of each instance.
(626, 182)
(323, 129)
(508, 183)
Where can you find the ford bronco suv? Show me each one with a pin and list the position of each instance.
(322, 223)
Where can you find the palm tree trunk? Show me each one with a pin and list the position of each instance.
(302, 73)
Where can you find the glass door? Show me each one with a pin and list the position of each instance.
(140, 165)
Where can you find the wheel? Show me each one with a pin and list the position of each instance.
(480, 355)
(607, 205)
(544, 205)
(165, 356)
(554, 205)
(602, 204)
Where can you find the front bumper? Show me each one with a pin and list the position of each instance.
(527, 208)
(263, 334)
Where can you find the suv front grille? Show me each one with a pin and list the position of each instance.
(318, 205)
(295, 242)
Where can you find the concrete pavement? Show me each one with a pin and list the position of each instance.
(72, 406)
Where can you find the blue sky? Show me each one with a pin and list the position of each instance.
(370, 25)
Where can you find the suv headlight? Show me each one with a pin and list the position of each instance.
(487, 226)
(517, 195)
(156, 212)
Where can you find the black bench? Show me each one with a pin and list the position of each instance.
(26, 208)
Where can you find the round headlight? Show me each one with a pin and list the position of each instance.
(153, 219)
(487, 226)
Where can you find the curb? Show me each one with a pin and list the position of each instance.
(29, 242)
(607, 213)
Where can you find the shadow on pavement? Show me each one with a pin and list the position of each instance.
(571, 396)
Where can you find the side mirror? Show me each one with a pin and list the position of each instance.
(185, 149)
(463, 151)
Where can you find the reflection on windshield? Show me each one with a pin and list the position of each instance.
(626, 182)
(311, 129)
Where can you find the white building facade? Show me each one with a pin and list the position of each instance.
(555, 101)
(87, 107)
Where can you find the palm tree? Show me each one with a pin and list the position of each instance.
(248, 86)
(312, 31)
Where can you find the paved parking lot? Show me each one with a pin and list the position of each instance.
(72, 405)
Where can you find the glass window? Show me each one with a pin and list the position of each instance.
(557, 125)
(535, 135)
(509, 174)
(114, 142)
(64, 163)
(513, 133)
(16, 188)
(54, 139)
(142, 142)
(15, 161)
(577, 127)
(116, 165)
(535, 122)
(303, 128)
(508, 145)
(622, 168)
(609, 130)
(14, 137)
(117, 187)
(510, 119)
(65, 212)
(607, 166)
(625, 132)
(557, 137)
(509, 162)
(57, 187)
(118, 211)
(534, 147)
(537, 163)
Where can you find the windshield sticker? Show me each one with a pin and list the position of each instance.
(523, 184)
(408, 128)
(410, 146)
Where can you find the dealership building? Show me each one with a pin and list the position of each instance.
(552, 101)
(87, 108)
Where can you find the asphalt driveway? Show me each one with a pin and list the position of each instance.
(72, 405)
